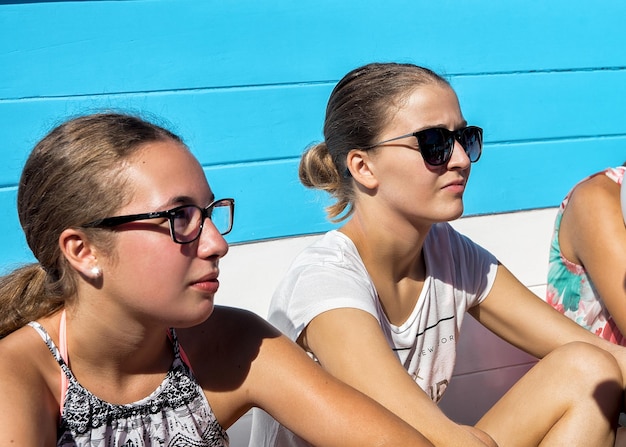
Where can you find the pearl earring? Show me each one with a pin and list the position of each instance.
(96, 272)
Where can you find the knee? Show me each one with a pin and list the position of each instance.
(586, 363)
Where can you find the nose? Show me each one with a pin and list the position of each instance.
(211, 242)
(459, 157)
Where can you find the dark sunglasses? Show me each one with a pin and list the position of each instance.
(437, 143)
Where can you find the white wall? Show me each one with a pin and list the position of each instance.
(250, 272)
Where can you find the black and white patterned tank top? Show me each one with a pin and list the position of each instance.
(176, 414)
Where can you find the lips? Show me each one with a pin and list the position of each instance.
(210, 277)
(456, 187)
(457, 180)
(456, 183)
(208, 283)
(460, 183)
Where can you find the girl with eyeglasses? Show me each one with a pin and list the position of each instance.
(379, 303)
(107, 339)
(587, 274)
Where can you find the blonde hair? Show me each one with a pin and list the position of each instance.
(357, 112)
(74, 175)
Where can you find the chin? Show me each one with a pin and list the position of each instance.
(196, 318)
(457, 215)
(452, 213)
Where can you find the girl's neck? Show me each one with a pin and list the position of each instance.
(393, 252)
(115, 359)
(394, 261)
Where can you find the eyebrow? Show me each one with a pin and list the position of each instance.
(442, 126)
(187, 200)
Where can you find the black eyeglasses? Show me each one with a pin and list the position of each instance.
(186, 221)
(437, 143)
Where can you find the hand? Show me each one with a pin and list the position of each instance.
(484, 437)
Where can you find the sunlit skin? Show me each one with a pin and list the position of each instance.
(406, 188)
(169, 283)
(117, 324)
(593, 235)
(154, 285)
(406, 195)
(398, 199)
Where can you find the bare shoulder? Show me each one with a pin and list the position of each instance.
(598, 193)
(22, 354)
(231, 318)
(595, 205)
(593, 212)
(226, 328)
(223, 348)
(29, 404)
(229, 354)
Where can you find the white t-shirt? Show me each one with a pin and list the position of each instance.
(330, 274)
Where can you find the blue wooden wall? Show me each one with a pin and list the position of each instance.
(245, 83)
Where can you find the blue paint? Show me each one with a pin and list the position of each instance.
(246, 86)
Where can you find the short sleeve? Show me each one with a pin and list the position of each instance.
(455, 260)
(326, 276)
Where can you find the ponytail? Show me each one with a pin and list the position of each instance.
(317, 170)
(24, 297)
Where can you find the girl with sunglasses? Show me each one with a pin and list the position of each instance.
(587, 274)
(379, 303)
(107, 339)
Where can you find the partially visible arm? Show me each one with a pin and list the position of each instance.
(292, 388)
(27, 414)
(593, 235)
(351, 346)
(277, 376)
(519, 316)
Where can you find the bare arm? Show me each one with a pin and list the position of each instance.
(593, 235)
(344, 417)
(517, 315)
(279, 377)
(350, 345)
(28, 414)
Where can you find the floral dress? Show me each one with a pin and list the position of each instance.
(570, 290)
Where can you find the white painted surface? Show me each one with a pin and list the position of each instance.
(486, 366)
(250, 272)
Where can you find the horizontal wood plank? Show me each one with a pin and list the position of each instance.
(273, 123)
(93, 47)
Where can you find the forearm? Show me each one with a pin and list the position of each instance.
(328, 412)
(413, 406)
(395, 390)
(364, 361)
(425, 416)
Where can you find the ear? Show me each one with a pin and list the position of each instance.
(360, 165)
(79, 252)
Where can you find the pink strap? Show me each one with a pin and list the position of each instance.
(183, 356)
(63, 349)
(616, 174)
(181, 352)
